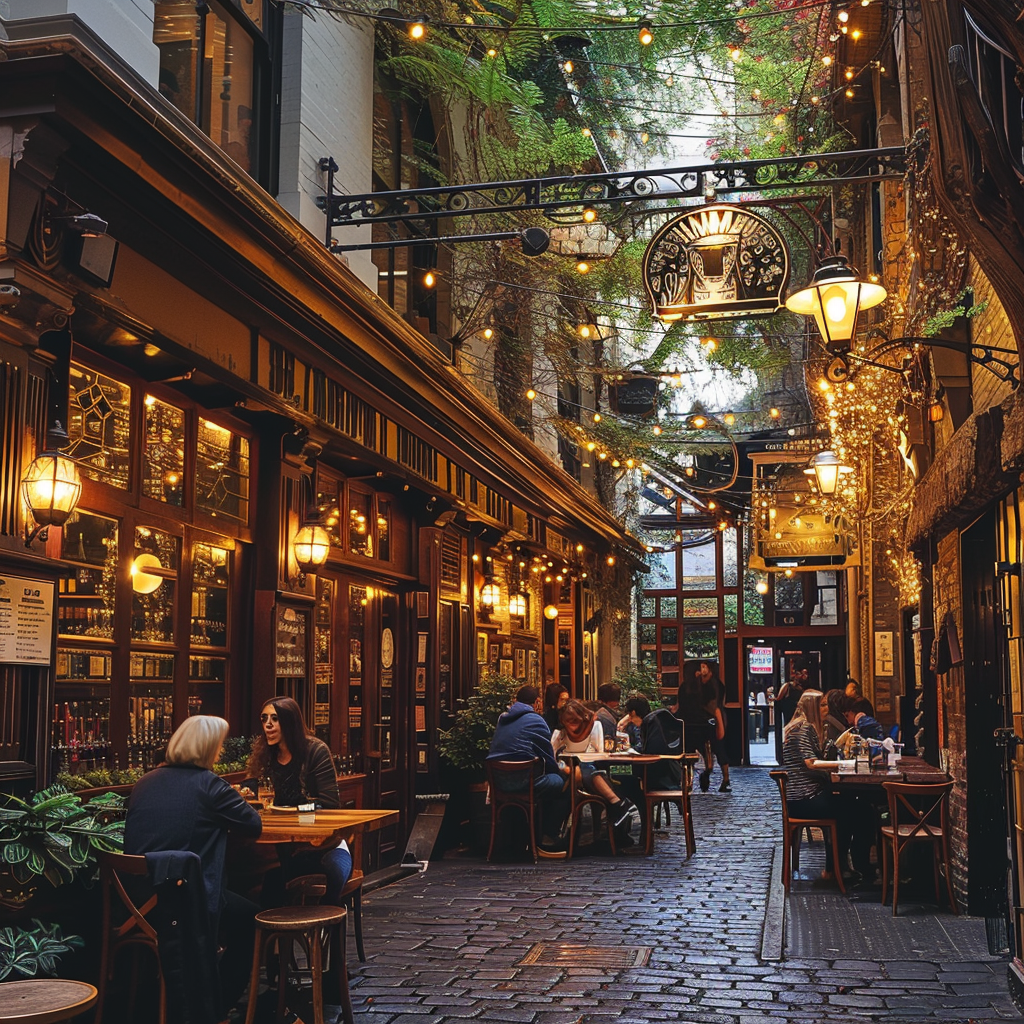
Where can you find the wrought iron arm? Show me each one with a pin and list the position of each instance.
(989, 357)
(557, 193)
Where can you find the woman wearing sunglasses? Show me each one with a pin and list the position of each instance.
(301, 769)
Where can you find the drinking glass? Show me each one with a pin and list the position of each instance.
(266, 791)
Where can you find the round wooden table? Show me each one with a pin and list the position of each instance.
(44, 1000)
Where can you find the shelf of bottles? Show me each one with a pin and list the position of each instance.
(80, 730)
(206, 685)
(151, 707)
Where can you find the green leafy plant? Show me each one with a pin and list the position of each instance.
(234, 755)
(639, 680)
(55, 835)
(30, 952)
(97, 778)
(467, 742)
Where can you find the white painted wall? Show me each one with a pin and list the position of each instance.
(126, 26)
(327, 110)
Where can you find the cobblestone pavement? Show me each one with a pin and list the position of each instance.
(447, 945)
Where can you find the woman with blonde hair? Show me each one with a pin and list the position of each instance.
(809, 791)
(183, 805)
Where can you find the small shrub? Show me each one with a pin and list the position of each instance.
(34, 951)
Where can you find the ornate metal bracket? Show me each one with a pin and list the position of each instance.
(556, 193)
(989, 357)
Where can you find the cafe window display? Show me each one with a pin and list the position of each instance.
(99, 425)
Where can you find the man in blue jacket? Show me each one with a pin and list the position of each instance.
(522, 734)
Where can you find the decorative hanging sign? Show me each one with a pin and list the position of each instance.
(716, 261)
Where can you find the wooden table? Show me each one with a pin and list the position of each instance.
(44, 1000)
(911, 769)
(284, 826)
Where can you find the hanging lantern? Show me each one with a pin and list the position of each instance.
(51, 487)
(551, 611)
(311, 546)
(517, 604)
(490, 595)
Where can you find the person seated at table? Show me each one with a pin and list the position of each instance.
(833, 709)
(580, 733)
(809, 790)
(860, 716)
(184, 805)
(647, 732)
(301, 769)
(521, 735)
(556, 695)
(607, 710)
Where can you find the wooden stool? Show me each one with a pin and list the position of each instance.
(312, 926)
(44, 1000)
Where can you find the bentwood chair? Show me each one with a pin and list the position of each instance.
(126, 923)
(580, 800)
(659, 799)
(792, 829)
(510, 784)
(918, 813)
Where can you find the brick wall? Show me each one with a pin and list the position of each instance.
(327, 110)
(952, 738)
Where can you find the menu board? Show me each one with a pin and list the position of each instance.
(290, 642)
(26, 621)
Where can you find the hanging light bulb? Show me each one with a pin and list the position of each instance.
(429, 279)
(418, 27)
(646, 33)
(568, 67)
(589, 214)
(531, 394)
(582, 267)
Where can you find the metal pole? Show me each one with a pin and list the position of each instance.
(397, 243)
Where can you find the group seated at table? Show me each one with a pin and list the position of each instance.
(809, 788)
(182, 805)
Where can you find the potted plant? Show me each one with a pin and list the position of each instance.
(53, 835)
(29, 952)
(465, 746)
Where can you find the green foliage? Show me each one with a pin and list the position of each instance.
(940, 322)
(98, 778)
(55, 835)
(467, 743)
(234, 755)
(33, 952)
(640, 680)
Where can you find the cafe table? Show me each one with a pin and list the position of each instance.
(645, 762)
(285, 826)
(44, 1000)
(909, 769)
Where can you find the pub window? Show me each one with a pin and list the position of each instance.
(208, 629)
(360, 528)
(207, 68)
(699, 563)
(222, 472)
(154, 574)
(86, 605)
(99, 425)
(384, 529)
(163, 466)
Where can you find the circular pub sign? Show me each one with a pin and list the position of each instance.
(716, 261)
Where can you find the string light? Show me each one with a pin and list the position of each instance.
(418, 27)
(429, 279)
(589, 214)
(531, 394)
(582, 267)
(568, 67)
(646, 34)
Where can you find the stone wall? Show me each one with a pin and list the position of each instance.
(952, 739)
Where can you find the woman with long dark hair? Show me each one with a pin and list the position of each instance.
(301, 769)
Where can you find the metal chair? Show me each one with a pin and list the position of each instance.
(918, 813)
(136, 930)
(792, 828)
(510, 784)
(307, 890)
(581, 799)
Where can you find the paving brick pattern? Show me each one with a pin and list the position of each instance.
(444, 946)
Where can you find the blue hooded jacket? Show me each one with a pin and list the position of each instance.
(521, 734)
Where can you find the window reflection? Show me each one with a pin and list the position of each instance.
(360, 530)
(164, 462)
(209, 615)
(154, 585)
(86, 606)
(99, 425)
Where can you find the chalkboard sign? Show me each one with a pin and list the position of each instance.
(290, 642)
(634, 396)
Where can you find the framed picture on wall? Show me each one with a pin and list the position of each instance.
(505, 666)
(520, 663)
(421, 604)
(495, 655)
(421, 758)
(506, 650)
(481, 648)
(421, 678)
(532, 668)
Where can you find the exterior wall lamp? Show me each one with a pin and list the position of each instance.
(517, 604)
(835, 298)
(51, 487)
(490, 595)
(312, 543)
(826, 469)
(551, 611)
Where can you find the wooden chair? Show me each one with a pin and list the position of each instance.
(581, 799)
(308, 890)
(313, 928)
(918, 813)
(510, 784)
(135, 930)
(658, 799)
(792, 828)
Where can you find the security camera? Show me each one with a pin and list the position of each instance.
(9, 296)
(88, 225)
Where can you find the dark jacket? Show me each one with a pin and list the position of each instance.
(182, 807)
(318, 781)
(869, 727)
(185, 937)
(521, 734)
(609, 721)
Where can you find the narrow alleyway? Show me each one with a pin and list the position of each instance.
(450, 944)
